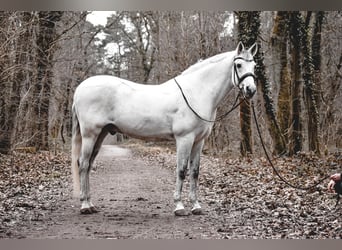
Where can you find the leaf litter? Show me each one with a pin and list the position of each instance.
(243, 194)
(30, 186)
(250, 201)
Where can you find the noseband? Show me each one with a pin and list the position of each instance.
(244, 76)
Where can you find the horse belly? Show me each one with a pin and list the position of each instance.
(145, 126)
(144, 115)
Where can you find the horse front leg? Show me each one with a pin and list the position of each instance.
(183, 154)
(194, 173)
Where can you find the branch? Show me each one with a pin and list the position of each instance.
(82, 17)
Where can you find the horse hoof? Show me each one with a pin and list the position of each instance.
(197, 211)
(94, 210)
(86, 211)
(89, 210)
(181, 212)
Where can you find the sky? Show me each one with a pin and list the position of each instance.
(99, 17)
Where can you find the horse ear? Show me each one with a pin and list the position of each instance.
(253, 49)
(240, 48)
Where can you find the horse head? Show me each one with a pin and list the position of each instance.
(243, 69)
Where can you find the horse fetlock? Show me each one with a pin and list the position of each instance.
(179, 205)
(84, 198)
(180, 210)
(193, 198)
(87, 207)
(177, 197)
(196, 209)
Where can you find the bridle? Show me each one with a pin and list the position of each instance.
(244, 76)
(236, 104)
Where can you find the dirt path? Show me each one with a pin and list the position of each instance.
(133, 188)
(135, 201)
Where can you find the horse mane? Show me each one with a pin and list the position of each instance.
(203, 63)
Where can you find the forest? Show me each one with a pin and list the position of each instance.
(45, 55)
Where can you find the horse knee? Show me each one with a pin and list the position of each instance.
(181, 173)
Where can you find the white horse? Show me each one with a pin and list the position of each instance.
(175, 110)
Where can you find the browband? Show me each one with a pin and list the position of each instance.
(247, 60)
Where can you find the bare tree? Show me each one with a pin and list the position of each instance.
(16, 70)
(6, 120)
(45, 51)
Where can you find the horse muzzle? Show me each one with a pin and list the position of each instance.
(249, 91)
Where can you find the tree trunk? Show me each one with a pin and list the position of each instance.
(273, 126)
(45, 40)
(316, 53)
(246, 34)
(310, 89)
(246, 144)
(316, 61)
(280, 41)
(296, 138)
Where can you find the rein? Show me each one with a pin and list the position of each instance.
(235, 105)
(272, 165)
(221, 117)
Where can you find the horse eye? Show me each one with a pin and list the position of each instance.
(238, 65)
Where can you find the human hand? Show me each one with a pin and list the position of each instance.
(333, 179)
(331, 185)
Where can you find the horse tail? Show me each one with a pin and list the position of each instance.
(76, 143)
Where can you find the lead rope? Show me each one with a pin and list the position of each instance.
(272, 165)
(260, 137)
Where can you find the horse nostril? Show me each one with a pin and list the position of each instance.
(249, 91)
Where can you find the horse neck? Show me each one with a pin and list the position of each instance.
(207, 86)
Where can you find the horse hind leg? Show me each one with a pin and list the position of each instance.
(98, 144)
(84, 168)
(90, 149)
